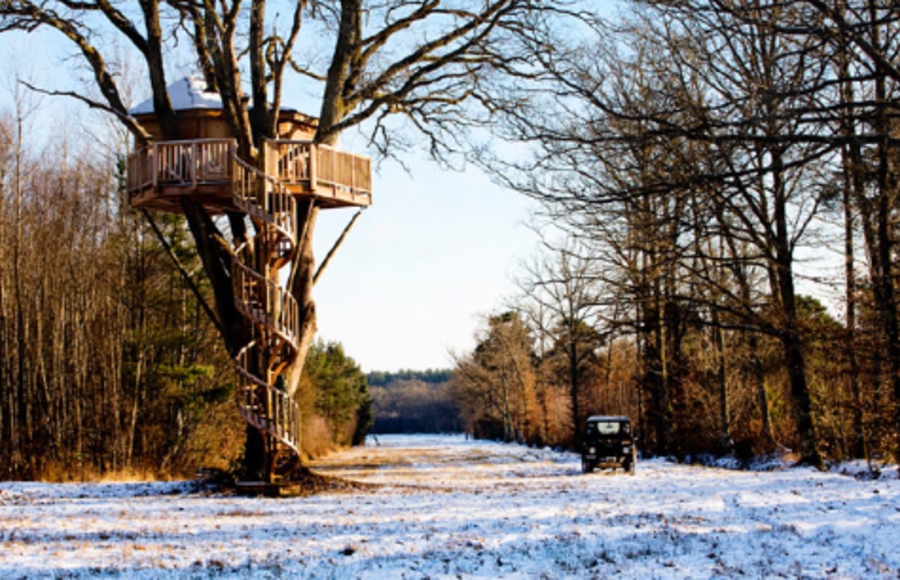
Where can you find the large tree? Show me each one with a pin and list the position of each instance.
(423, 60)
(495, 383)
(562, 302)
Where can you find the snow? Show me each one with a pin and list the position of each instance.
(444, 507)
(185, 94)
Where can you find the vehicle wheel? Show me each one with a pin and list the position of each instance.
(586, 466)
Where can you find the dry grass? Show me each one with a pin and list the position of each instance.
(240, 513)
(307, 483)
(317, 438)
(62, 473)
(129, 475)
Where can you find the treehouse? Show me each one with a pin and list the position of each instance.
(203, 164)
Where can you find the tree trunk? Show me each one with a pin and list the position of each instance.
(762, 397)
(879, 236)
(573, 389)
(725, 441)
(790, 335)
(301, 286)
(851, 178)
(334, 107)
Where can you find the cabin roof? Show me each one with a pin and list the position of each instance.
(190, 94)
(186, 94)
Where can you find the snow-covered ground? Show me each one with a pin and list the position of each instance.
(450, 508)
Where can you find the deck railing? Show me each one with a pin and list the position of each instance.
(290, 161)
(194, 162)
(206, 161)
(140, 169)
(344, 170)
(304, 163)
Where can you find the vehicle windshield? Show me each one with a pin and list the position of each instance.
(604, 428)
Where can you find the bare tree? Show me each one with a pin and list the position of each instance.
(495, 383)
(562, 303)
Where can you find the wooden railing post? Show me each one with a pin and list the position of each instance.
(263, 160)
(153, 165)
(313, 166)
(194, 162)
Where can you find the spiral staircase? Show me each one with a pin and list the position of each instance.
(210, 171)
(271, 311)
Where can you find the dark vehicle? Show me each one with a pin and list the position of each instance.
(608, 442)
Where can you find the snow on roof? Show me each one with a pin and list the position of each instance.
(186, 94)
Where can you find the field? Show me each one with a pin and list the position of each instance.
(445, 507)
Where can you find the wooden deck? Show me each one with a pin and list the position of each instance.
(207, 170)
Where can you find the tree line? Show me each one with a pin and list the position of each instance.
(414, 402)
(432, 376)
(689, 157)
(108, 364)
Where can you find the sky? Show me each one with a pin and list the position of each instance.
(435, 253)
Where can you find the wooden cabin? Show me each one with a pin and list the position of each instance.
(204, 164)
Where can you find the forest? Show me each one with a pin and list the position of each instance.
(701, 166)
(108, 363)
(717, 192)
(410, 401)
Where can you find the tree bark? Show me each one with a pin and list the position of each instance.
(346, 50)
(790, 334)
(725, 441)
